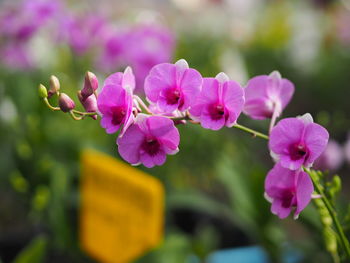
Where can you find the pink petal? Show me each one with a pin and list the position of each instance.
(208, 123)
(259, 108)
(279, 210)
(151, 161)
(304, 191)
(163, 104)
(210, 90)
(288, 163)
(233, 99)
(316, 139)
(278, 177)
(111, 95)
(285, 133)
(162, 76)
(130, 143)
(190, 86)
(164, 129)
(128, 80)
(256, 88)
(114, 79)
(286, 92)
(129, 117)
(106, 123)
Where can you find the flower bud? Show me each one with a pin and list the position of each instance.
(89, 104)
(54, 86)
(65, 103)
(42, 91)
(90, 85)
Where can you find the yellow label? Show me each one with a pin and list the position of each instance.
(122, 209)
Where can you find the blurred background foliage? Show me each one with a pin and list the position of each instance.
(214, 186)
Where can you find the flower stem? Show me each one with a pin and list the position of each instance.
(275, 114)
(142, 104)
(238, 126)
(76, 118)
(251, 131)
(342, 238)
(84, 113)
(47, 103)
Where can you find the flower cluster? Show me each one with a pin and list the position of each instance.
(295, 143)
(18, 24)
(141, 46)
(178, 94)
(175, 91)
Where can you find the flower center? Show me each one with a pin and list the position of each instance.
(298, 151)
(288, 199)
(217, 111)
(118, 115)
(173, 96)
(151, 146)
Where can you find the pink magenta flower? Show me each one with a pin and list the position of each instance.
(219, 103)
(287, 189)
(266, 94)
(173, 86)
(142, 47)
(23, 19)
(297, 141)
(83, 32)
(332, 157)
(149, 140)
(115, 101)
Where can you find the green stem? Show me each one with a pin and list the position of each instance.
(71, 113)
(342, 238)
(50, 106)
(85, 113)
(251, 131)
(238, 126)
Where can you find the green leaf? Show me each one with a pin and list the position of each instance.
(198, 201)
(34, 252)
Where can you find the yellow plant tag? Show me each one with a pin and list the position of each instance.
(122, 209)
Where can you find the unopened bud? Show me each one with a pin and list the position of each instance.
(54, 85)
(90, 85)
(65, 102)
(42, 91)
(89, 104)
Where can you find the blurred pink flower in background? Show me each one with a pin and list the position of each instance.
(83, 32)
(15, 55)
(331, 159)
(20, 22)
(142, 47)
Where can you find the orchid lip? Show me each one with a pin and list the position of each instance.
(118, 115)
(173, 96)
(151, 146)
(298, 151)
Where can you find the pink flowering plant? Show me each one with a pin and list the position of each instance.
(178, 95)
